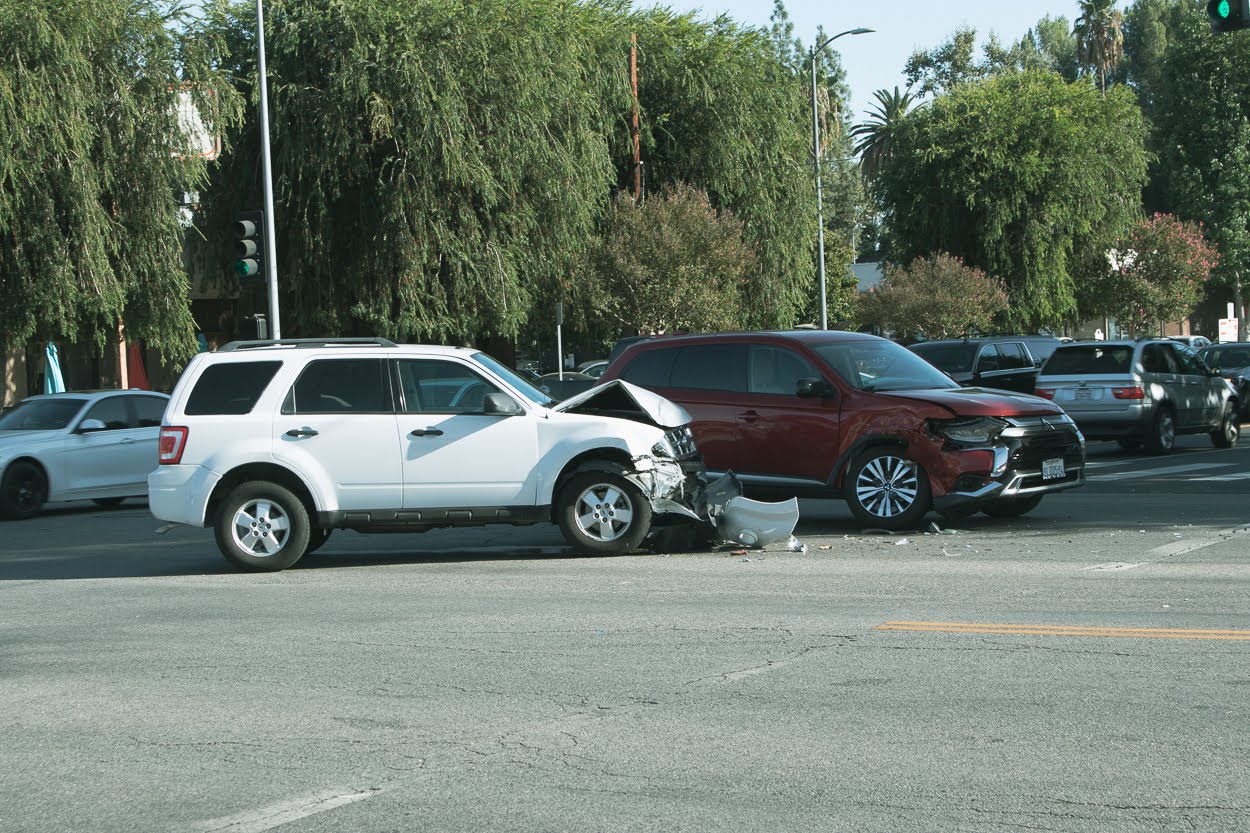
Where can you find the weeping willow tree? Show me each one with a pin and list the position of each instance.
(442, 169)
(726, 110)
(92, 156)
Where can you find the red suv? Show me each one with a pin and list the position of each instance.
(815, 413)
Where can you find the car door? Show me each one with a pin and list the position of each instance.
(1208, 392)
(110, 457)
(709, 381)
(784, 437)
(454, 454)
(338, 424)
(1005, 366)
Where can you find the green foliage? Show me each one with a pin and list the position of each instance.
(1157, 274)
(1049, 45)
(89, 231)
(1016, 174)
(671, 264)
(873, 137)
(1203, 135)
(1099, 38)
(936, 296)
(443, 168)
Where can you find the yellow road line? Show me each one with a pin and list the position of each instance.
(1064, 630)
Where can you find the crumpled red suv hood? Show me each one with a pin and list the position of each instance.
(981, 402)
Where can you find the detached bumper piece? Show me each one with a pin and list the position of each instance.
(751, 523)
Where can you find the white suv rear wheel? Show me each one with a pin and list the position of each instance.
(262, 527)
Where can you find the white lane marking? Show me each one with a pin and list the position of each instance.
(1179, 547)
(1243, 475)
(1125, 475)
(267, 818)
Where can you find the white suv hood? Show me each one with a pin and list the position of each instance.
(621, 399)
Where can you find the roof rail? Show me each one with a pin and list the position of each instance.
(305, 342)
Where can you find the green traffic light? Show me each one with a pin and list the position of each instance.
(1223, 9)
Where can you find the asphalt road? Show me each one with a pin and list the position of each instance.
(1081, 669)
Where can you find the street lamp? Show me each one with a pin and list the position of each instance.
(820, 219)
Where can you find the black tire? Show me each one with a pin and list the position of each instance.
(602, 513)
(1228, 430)
(23, 491)
(1162, 437)
(262, 527)
(107, 501)
(1011, 507)
(887, 490)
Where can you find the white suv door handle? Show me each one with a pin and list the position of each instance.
(301, 432)
(425, 432)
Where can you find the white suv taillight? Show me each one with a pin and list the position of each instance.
(173, 441)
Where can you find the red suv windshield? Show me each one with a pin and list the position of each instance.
(878, 365)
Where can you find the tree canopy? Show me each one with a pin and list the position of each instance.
(1015, 174)
(671, 264)
(937, 296)
(443, 168)
(89, 228)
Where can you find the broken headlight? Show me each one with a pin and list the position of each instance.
(677, 444)
(973, 431)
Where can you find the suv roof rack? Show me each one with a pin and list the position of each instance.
(304, 342)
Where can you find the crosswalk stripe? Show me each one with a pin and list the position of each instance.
(1125, 475)
(1241, 475)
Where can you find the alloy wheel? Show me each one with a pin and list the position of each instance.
(603, 512)
(887, 486)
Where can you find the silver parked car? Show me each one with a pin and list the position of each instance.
(1140, 393)
(82, 445)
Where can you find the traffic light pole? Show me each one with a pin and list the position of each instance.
(271, 257)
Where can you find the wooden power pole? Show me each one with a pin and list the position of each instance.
(633, 81)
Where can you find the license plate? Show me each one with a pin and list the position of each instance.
(1053, 469)
(1084, 393)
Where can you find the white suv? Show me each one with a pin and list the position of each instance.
(276, 443)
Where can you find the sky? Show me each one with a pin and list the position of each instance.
(875, 61)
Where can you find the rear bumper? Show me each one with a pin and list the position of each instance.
(180, 493)
(1134, 421)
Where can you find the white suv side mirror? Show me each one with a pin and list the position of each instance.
(500, 404)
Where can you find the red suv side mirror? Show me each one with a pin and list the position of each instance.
(813, 388)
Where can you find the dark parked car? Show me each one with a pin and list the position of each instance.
(1231, 360)
(1003, 362)
(817, 413)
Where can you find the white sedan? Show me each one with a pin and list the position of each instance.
(86, 445)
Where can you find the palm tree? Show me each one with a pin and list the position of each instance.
(1099, 37)
(874, 137)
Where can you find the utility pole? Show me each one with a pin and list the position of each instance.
(271, 239)
(633, 81)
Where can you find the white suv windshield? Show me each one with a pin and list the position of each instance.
(510, 376)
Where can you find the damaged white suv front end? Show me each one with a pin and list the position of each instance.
(671, 476)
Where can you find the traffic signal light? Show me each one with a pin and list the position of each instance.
(249, 248)
(1228, 15)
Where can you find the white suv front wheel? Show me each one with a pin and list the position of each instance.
(262, 526)
(602, 513)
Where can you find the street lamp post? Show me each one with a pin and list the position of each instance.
(820, 218)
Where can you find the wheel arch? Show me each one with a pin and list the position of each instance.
(838, 476)
(252, 472)
(604, 459)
